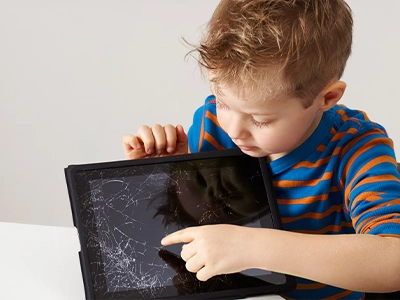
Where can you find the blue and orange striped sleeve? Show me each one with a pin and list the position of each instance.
(206, 134)
(371, 184)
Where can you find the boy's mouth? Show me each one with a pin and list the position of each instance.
(247, 148)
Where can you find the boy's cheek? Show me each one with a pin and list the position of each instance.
(222, 121)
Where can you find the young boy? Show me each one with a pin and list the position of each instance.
(274, 68)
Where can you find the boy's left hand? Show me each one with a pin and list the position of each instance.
(211, 250)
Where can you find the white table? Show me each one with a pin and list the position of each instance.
(41, 262)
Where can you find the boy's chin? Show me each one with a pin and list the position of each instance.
(254, 152)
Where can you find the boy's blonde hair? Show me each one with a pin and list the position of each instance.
(300, 44)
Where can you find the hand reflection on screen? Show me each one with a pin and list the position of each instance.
(221, 191)
(186, 282)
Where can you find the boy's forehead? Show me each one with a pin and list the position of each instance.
(264, 91)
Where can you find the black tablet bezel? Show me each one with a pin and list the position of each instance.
(82, 219)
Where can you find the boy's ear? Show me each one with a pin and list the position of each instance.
(331, 94)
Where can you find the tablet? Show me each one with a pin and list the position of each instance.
(123, 209)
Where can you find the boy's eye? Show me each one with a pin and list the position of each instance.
(259, 124)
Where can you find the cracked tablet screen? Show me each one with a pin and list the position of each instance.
(133, 208)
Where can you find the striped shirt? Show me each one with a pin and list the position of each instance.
(342, 180)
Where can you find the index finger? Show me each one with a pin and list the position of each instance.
(130, 142)
(181, 236)
(173, 260)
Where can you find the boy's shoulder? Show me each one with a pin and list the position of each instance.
(353, 120)
(205, 133)
(342, 135)
(354, 138)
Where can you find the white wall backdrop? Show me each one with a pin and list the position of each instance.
(77, 75)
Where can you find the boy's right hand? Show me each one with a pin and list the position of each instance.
(155, 141)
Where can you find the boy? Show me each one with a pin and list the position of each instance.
(274, 68)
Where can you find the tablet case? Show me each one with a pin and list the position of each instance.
(92, 188)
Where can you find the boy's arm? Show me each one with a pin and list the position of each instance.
(368, 261)
(358, 262)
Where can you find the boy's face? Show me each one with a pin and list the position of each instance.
(265, 127)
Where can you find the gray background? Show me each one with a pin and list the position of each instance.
(77, 75)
